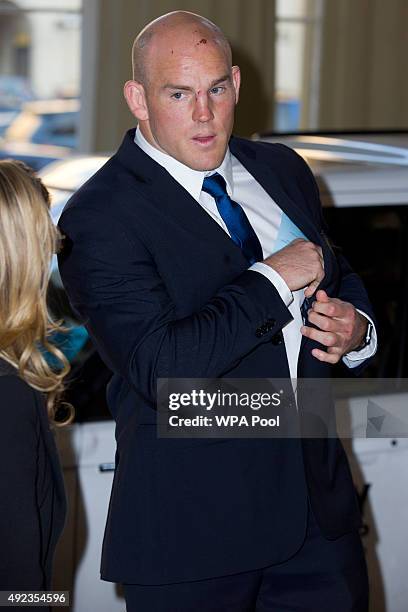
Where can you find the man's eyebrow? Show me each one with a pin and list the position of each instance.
(174, 86)
(226, 77)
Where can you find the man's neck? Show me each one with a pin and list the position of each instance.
(190, 179)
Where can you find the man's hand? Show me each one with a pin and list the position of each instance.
(300, 264)
(341, 327)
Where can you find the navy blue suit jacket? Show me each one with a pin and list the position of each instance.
(165, 292)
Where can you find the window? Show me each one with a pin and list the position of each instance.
(298, 27)
(39, 77)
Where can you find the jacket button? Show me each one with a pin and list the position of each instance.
(277, 339)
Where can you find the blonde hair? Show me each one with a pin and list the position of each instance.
(28, 239)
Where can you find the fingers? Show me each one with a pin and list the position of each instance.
(310, 289)
(300, 264)
(337, 324)
(320, 260)
(321, 296)
(327, 357)
(311, 256)
(332, 307)
(329, 339)
(320, 252)
(327, 324)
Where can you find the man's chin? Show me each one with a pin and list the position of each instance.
(205, 168)
(204, 158)
(204, 163)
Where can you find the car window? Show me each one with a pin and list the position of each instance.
(57, 129)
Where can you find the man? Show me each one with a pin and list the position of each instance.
(172, 256)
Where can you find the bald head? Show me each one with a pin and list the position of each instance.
(167, 31)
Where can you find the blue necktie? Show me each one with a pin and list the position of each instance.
(235, 219)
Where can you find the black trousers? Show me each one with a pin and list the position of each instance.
(323, 576)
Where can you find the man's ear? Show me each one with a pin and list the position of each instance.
(236, 79)
(135, 96)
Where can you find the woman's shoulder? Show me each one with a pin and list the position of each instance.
(17, 398)
(6, 369)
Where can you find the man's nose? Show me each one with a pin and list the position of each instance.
(202, 109)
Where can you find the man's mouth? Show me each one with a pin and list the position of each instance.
(204, 140)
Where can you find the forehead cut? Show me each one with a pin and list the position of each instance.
(172, 33)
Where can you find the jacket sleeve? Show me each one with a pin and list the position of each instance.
(115, 287)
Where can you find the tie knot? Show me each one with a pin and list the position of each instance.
(215, 185)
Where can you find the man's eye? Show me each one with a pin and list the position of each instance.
(177, 96)
(217, 90)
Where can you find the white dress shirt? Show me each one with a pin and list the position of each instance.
(265, 217)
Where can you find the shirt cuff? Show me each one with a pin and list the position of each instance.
(355, 358)
(276, 279)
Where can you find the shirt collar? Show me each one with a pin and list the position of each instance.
(191, 180)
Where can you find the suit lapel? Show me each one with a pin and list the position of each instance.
(171, 199)
(166, 194)
(273, 186)
(182, 207)
(270, 181)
